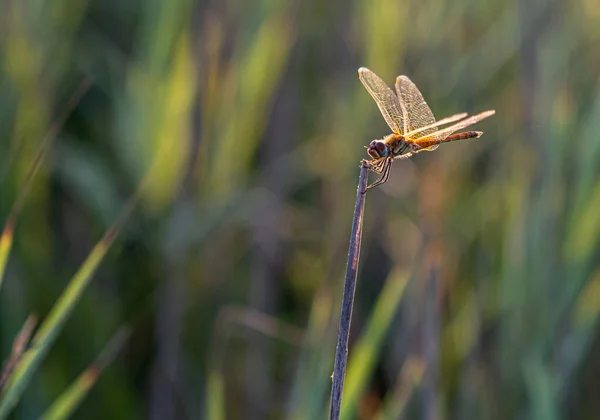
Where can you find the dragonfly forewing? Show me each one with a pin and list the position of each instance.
(418, 113)
(385, 98)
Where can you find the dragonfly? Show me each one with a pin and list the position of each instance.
(413, 125)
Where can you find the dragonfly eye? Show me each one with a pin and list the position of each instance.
(377, 149)
(381, 147)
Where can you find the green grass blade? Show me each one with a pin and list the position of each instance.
(64, 406)
(20, 344)
(313, 382)
(68, 401)
(53, 324)
(364, 355)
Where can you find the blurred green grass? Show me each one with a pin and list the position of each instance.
(258, 121)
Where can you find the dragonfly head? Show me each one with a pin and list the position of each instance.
(377, 149)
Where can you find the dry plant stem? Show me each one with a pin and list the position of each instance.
(341, 351)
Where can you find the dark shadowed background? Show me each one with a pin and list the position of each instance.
(238, 127)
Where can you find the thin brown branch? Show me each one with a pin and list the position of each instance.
(341, 351)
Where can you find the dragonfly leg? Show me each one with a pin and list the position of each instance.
(378, 166)
(385, 170)
(375, 167)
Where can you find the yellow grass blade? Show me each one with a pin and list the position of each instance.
(215, 396)
(6, 241)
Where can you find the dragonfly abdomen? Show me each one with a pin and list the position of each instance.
(428, 142)
(465, 135)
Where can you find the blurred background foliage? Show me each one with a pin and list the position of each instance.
(238, 127)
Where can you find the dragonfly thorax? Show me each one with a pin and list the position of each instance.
(395, 143)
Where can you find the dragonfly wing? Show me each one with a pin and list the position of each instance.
(418, 113)
(387, 101)
(441, 135)
(443, 121)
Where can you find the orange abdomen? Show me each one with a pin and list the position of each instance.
(425, 143)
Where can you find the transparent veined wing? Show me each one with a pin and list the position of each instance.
(433, 139)
(443, 121)
(386, 100)
(418, 113)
